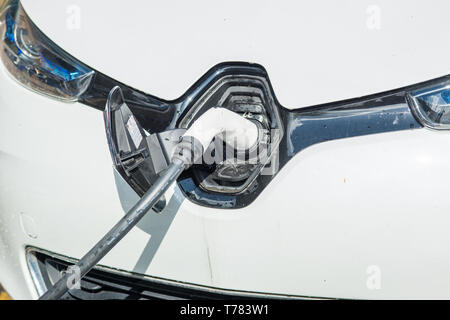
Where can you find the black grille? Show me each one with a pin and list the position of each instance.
(111, 285)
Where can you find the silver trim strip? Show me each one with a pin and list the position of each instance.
(41, 287)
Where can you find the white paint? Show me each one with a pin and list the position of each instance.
(333, 210)
(314, 51)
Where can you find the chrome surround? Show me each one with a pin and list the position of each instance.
(302, 128)
(212, 86)
(35, 273)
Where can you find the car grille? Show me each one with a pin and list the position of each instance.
(106, 284)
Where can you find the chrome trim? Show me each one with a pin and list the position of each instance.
(41, 287)
(276, 134)
(35, 272)
(193, 95)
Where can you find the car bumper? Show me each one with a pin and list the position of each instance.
(332, 213)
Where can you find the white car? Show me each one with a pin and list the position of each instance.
(353, 201)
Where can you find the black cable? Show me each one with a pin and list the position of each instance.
(122, 227)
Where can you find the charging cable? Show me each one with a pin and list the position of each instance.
(241, 132)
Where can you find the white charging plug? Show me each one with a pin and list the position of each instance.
(240, 133)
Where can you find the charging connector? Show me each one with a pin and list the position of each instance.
(241, 132)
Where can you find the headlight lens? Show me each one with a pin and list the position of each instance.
(39, 64)
(431, 104)
(35, 61)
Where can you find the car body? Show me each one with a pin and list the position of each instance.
(363, 216)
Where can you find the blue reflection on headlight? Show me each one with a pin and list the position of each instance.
(446, 96)
(36, 62)
(10, 28)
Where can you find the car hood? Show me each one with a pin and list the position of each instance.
(314, 52)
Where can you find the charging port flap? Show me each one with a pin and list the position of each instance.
(138, 157)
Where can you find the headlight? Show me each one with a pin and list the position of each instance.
(39, 64)
(431, 104)
(35, 61)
